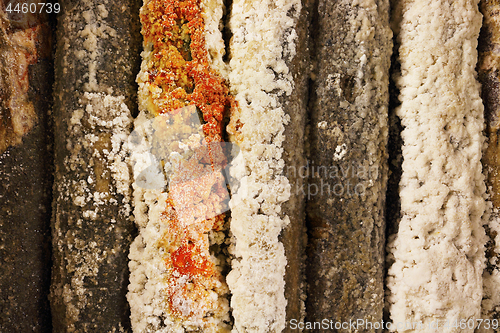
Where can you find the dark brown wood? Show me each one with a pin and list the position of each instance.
(294, 236)
(97, 58)
(26, 164)
(489, 76)
(348, 161)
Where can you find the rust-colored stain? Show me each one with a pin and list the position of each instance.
(178, 75)
(23, 41)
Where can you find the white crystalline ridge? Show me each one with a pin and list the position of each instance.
(213, 10)
(263, 39)
(439, 248)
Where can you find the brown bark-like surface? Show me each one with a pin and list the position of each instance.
(348, 161)
(488, 69)
(294, 236)
(96, 61)
(25, 171)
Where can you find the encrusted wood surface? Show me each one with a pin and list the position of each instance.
(348, 161)
(95, 65)
(310, 81)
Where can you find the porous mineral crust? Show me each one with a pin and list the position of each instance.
(262, 47)
(439, 247)
(176, 282)
(348, 161)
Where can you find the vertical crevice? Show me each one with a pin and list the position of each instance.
(489, 77)
(226, 30)
(226, 36)
(313, 33)
(135, 58)
(395, 142)
(394, 145)
(294, 236)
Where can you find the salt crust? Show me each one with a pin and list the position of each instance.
(213, 10)
(146, 295)
(99, 183)
(258, 76)
(439, 248)
(263, 38)
(104, 114)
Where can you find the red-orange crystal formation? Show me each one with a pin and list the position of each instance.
(176, 31)
(178, 75)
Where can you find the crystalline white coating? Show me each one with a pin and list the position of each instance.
(439, 248)
(263, 38)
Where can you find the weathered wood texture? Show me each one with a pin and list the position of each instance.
(348, 161)
(25, 171)
(96, 59)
